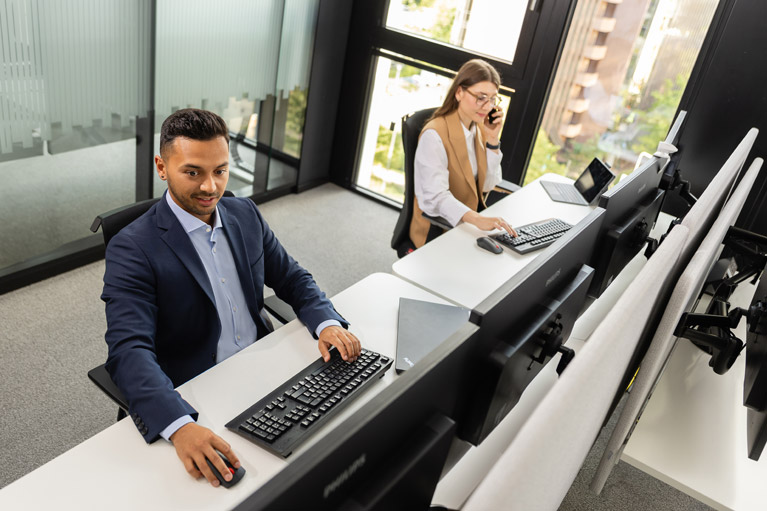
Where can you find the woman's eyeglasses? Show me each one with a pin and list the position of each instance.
(482, 99)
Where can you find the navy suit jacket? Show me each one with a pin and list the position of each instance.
(162, 323)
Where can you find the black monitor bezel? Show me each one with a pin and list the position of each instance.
(360, 457)
(535, 286)
(755, 376)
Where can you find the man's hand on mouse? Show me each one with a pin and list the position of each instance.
(194, 443)
(346, 343)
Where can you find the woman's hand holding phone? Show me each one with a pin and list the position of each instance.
(493, 123)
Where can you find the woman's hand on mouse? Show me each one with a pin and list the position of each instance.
(488, 223)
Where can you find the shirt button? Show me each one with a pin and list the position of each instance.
(238, 337)
(214, 250)
(207, 229)
(234, 308)
(223, 280)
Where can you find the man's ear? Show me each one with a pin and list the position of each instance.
(160, 164)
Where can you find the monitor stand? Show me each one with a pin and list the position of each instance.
(422, 326)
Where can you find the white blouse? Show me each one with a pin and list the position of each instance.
(432, 177)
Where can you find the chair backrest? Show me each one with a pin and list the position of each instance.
(113, 221)
(412, 124)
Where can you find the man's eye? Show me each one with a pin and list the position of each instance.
(192, 173)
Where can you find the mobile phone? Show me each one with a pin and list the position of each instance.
(491, 115)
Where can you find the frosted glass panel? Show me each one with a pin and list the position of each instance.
(70, 63)
(74, 77)
(247, 60)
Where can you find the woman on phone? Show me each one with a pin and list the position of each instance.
(458, 160)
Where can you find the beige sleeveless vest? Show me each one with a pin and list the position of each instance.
(461, 179)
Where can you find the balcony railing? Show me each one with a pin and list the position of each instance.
(605, 25)
(578, 105)
(586, 79)
(595, 52)
(570, 130)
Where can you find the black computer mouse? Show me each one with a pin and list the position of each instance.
(237, 473)
(489, 244)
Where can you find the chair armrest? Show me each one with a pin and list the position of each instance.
(280, 310)
(438, 221)
(101, 378)
(508, 186)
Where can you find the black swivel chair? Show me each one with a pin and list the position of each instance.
(411, 128)
(111, 223)
(412, 124)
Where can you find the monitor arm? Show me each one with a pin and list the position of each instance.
(713, 332)
(672, 176)
(653, 244)
(750, 249)
(552, 343)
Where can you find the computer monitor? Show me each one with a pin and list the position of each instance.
(755, 380)
(631, 209)
(390, 453)
(523, 324)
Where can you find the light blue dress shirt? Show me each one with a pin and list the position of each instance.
(238, 330)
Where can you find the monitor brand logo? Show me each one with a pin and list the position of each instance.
(553, 277)
(408, 361)
(641, 189)
(344, 476)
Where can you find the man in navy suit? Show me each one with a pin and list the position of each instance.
(183, 289)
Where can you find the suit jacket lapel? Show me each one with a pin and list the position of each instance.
(458, 143)
(178, 241)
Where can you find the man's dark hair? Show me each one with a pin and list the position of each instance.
(191, 123)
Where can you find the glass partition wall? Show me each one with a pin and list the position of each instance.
(85, 86)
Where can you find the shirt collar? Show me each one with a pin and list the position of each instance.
(469, 133)
(188, 221)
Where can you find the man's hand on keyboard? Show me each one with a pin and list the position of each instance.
(194, 443)
(487, 223)
(346, 343)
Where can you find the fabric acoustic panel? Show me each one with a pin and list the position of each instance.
(682, 300)
(539, 466)
(701, 215)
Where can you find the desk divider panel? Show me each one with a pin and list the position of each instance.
(682, 300)
(538, 468)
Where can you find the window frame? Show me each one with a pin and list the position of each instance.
(527, 79)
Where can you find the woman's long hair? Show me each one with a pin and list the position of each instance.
(474, 71)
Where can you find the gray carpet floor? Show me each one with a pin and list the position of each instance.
(52, 334)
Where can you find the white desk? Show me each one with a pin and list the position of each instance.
(692, 434)
(455, 268)
(115, 469)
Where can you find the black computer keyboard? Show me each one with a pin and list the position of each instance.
(534, 236)
(291, 413)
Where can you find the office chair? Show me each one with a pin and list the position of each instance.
(111, 223)
(412, 124)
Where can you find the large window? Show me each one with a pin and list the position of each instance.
(398, 89)
(416, 51)
(488, 27)
(622, 73)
